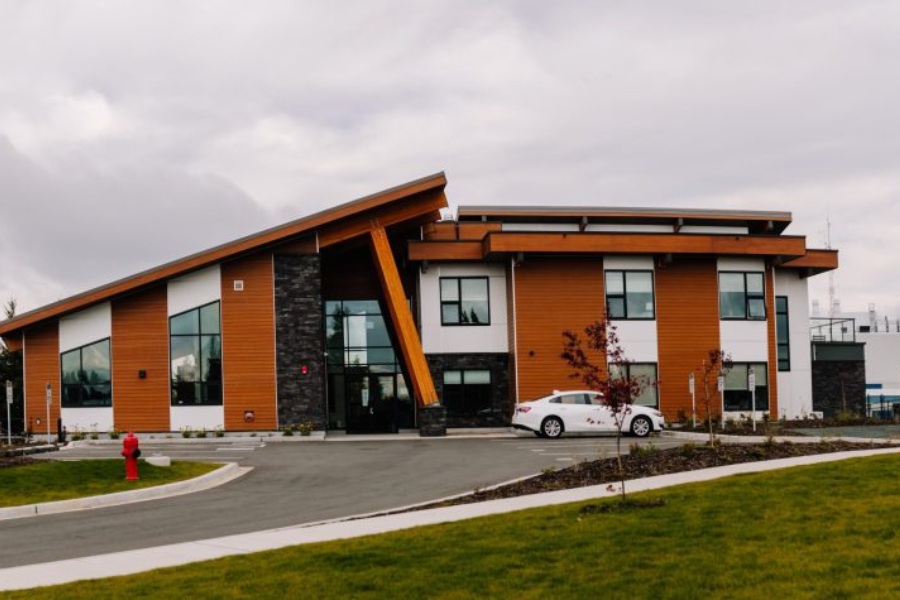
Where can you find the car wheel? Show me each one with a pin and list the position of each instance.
(641, 426)
(552, 427)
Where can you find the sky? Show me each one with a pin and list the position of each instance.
(135, 133)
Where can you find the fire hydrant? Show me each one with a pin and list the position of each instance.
(131, 452)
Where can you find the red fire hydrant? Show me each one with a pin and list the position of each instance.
(131, 452)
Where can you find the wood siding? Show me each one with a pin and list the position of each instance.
(248, 343)
(551, 296)
(140, 342)
(687, 305)
(41, 368)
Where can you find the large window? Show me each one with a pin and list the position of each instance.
(467, 396)
(629, 295)
(782, 333)
(86, 376)
(742, 296)
(465, 301)
(646, 374)
(738, 395)
(196, 357)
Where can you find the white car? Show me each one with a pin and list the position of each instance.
(583, 411)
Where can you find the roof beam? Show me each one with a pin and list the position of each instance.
(401, 317)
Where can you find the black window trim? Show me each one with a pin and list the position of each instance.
(63, 385)
(759, 408)
(747, 297)
(785, 335)
(459, 302)
(200, 334)
(624, 294)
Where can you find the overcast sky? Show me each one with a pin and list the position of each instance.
(134, 133)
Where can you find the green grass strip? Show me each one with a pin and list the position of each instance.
(823, 531)
(64, 480)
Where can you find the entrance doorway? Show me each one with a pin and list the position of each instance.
(367, 391)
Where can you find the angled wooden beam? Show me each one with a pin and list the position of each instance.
(401, 317)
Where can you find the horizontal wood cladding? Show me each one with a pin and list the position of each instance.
(248, 343)
(419, 200)
(140, 342)
(451, 250)
(687, 305)
(645, 243)
(453, 231)
(551, 296)
(41, 368)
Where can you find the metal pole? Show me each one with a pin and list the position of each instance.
(752, 381)
(721, 386)
(9, 401)
(693, 398)
(49, 400)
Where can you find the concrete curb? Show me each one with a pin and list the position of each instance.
(223, 474)
(148, 559)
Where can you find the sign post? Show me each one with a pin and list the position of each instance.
(9, 401)
(693, 398)
(720, 384)
(751, 380)
(49, 401)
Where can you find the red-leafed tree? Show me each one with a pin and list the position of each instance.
(717, 363)
(599, 361)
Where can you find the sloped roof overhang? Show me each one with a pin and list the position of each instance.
(412, 203)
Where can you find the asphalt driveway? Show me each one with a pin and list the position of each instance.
(292, 483)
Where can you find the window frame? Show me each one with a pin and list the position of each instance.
(462, 390)
(63, 397)
(199, 336)
(459, 301)
(624, 295)
(761, 367)
(783, 335)
(651, 386)
(748, 297)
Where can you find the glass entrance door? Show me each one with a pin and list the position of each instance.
(367, 391)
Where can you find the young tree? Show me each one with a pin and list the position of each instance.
(599, 361)
(10, 370)
(717, 363)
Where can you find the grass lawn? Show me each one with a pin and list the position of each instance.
(47, 481)
(825, 531)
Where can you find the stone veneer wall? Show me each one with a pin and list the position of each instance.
(827, 394)
(497, 364)
(299, 339)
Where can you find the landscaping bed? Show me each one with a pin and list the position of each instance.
(647, 461)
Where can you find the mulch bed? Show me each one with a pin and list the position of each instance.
(647, 462)
(16, 461)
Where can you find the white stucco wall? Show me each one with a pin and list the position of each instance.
(85, 327)
(746, 341)
(795, 386)
(439, 339)
(196, 417)
(638, 338)
(194, 289)
(882, 358)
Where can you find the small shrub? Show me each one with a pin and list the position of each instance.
(220, 431)
(95, 435)
(287, 431)
(114, 433)
(688, 450)
(77, 434)
(187, 432)
(636, 449)
(201, 433)
(305, 427)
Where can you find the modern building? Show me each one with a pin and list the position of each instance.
(364, 317)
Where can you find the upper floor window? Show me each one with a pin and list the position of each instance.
(465, 301)
(629, 295)
(742, 296)
(782, 333)
(86, 376)
(196, 354)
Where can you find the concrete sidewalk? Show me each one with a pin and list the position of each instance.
(135, 561)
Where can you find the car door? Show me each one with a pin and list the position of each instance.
(601, 416)
(576, 412)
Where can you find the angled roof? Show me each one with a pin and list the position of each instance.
(421, 198)
(755, 221)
